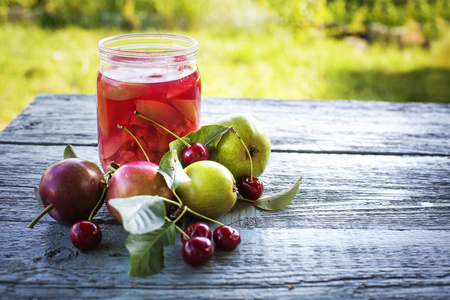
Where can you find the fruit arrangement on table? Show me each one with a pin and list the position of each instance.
(201, 176)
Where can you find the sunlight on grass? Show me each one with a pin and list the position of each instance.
(232, 63)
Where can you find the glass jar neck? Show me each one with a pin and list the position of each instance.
(144, 50)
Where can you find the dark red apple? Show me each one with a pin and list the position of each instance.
(73, 187)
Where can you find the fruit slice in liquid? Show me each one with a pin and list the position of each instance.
(172, 100)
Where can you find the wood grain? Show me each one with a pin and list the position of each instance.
(293, 125)
(317, 262)
(337, 191)
(371, 219)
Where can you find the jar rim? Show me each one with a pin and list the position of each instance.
(157, 44)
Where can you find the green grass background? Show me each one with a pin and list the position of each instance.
(272, 63)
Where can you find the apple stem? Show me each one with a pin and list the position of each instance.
(204, 217)
(156, 123)
(246, 149)
(139, 144)
(100, 201)
(46, 210)
(112, 167)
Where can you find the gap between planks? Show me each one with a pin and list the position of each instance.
(337, 152)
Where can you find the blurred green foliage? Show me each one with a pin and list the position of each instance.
(185, 14)
(391, 50)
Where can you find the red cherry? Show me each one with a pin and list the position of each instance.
(197, 229)
(197, 251)
(251, 190)
(85, 235)
(196, 152)
(226, 237)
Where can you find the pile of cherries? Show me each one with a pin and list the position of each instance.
(197, 247)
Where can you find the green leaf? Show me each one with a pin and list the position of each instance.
(208, 135)
(140, 214)
(179, 146)
(69, 152)
(36, 195)
(172, 170)
(281, 200)
(147, 252)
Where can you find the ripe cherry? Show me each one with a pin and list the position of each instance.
(197, 229)
(251, 190)
(85, 235)
(197, 251)
(196, 152)
(226, 237)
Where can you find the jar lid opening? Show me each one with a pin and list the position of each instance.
(139, 47)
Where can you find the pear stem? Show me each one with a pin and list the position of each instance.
(246, 149)
(139, 144)
(204, 217)
(164, 128)
(100, 201)
(46, 210)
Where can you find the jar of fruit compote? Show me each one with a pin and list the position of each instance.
(155, 75)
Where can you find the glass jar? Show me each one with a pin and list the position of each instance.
(155, 75)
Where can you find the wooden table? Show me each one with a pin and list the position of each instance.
(371, 219)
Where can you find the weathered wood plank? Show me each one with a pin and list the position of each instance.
(337, 191)
(371, 220)
(316, 262)
(293, 125)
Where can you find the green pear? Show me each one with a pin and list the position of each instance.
(211, 191)
(231, 152)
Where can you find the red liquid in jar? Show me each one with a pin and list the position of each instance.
(172, 99)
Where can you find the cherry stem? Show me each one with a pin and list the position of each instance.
(100, 201)
(139, 144)
(46, 210)
(185, 208)
(171, 202)
(156, 123)
(182, 231)
(204, 217)
(108, 176)
(177, 219)
(243, 199)
(178, 198)
(246, 149)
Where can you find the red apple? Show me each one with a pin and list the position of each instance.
(135, 179)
